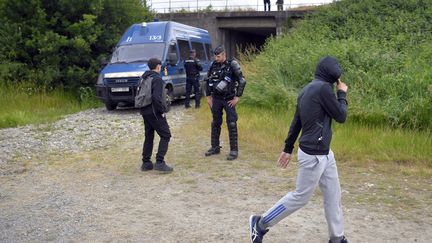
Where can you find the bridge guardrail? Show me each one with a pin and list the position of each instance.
(170, 6)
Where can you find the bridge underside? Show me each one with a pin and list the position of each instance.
(242, 32)
(240, 39)
(237, 30)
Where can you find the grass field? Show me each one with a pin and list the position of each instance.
(23, 104)
(360, 145)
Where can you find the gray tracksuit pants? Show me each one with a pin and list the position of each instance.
(313, 170)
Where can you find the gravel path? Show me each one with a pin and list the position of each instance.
(78, 180)
(80, 132)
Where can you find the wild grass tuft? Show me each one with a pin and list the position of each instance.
(24, 103)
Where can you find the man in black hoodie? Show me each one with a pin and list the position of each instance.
(316, 107)
(155, 120)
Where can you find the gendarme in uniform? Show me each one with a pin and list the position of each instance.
(193, 68)
(225, 84)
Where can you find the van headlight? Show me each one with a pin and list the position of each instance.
(100, 79)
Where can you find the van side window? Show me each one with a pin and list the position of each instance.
(199, 48)
(209, 50)
(184, 49)
(172, 53)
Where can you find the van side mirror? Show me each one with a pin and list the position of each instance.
(172, 59)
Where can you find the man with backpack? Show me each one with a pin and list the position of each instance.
(151, 100)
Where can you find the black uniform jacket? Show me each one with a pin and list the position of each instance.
(193, 68)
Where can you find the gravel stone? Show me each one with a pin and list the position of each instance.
(79, 132)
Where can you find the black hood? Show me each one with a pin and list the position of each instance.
(328, 69)
(148, 73)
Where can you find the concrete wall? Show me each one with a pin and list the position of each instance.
(236, 29)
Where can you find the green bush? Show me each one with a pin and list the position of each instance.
(60, 43)
(384, 46)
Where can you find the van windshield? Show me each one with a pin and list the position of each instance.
(137, 53)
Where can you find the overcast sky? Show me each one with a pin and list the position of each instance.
(164, 5)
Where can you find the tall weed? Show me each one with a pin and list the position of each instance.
(384, 47)
(263, 131)
(27, 103)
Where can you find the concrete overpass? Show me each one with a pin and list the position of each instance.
(238, 29)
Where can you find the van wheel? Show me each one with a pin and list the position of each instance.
(110, 106)
(169, 97)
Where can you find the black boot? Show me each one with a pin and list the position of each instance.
(162, 167)
(148, 165)
(215, 134)
(232, 155)
(233, 136)
(213, 150)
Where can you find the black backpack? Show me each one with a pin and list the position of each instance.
(144, 92)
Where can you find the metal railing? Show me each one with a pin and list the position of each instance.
(169, 6)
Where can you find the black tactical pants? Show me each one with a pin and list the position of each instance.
(192, 82)
(267, 5)
(231, 118)
(159, 124)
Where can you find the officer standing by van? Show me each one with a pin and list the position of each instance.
(225, 84)
(193, 68)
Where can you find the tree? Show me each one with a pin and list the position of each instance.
(60, 43)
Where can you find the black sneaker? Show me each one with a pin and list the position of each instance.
(213, 150)
(256, 233)
(197, 106)
(187, 106)
(343, 240)
(232, 155)
(147, 166)
(163, 168)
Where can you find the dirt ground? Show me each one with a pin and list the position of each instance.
(99, 194)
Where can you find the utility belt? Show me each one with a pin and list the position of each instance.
(226, 97)
(193, 76)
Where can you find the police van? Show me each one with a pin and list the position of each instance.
(169, 41)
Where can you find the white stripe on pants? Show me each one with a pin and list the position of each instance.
(313, 170)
